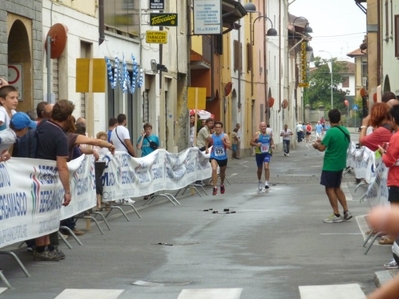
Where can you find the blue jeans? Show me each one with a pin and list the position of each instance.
(286, 146)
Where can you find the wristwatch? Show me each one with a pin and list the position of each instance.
(363, 127)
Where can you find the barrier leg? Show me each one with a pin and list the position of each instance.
(65, 241)
(173, 198)
(71, 233)
(372, 241)
(134, 208)
(96, 222)
(4, 279)
(120, 209)
(17, 260)
(103, 218)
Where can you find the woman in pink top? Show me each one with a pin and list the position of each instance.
(379, 119)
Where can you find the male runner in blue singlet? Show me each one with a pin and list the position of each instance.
(263, 142)
(221, 143)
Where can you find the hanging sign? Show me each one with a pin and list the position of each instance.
(163, 19)
(156, 37)
(157, 4)
(207, 17)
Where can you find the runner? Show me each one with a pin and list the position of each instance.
(263, 142)
(218, 155)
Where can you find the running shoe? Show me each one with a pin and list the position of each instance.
(391, 265)
(222, 189)
(334, 219)
(260, 186)
(215, 191)
(347, 215)
(266, 185)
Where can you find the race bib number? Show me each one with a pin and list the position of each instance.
(219, 151)
(264, 148)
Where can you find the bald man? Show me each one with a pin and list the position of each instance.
(47, 110)
(392, 102)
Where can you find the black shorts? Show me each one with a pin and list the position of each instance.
(393, 194)
(308, 133)
(331, 179)
(221, 163)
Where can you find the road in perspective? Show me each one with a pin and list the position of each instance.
(242, 244)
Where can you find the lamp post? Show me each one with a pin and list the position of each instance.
(331, 72)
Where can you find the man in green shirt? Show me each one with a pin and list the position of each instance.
(335, 144)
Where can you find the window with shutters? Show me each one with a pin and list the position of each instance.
(237, 56)
(345, 82)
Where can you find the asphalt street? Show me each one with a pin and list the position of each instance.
(267, 245)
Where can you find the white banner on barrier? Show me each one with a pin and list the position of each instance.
(31, 196)
(125, 176)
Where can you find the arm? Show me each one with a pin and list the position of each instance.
(254, 142)
(139, 144)
(82, 139)
(365, 124)
(206, 146)
(319, 146)
(130, 147)
(226, 141)
(64, 177)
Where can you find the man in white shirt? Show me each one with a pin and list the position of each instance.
(286, 134)
(299, 132)
(120, 137)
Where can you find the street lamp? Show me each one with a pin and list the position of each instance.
(331, 72)
(270, 32)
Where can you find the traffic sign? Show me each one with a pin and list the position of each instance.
(355, 107)
(156, 37)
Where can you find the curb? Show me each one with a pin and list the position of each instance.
(382, 277)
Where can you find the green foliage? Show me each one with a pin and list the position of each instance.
(319, 91)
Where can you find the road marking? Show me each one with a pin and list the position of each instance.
(210, 294)
(89, 294)
(341, 291)
(3, 290)
(346, 191)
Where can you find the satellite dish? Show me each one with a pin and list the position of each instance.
(58, 33)
(228, 88)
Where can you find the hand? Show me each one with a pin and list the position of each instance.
(3, 82)
(112, 149)
(96, 155)
(143, 133)
(207, 152)
(381, 150)
(272, 146)
(4, 157)
(67, 199)
(259, 144)
(366, 121)
(316, 145)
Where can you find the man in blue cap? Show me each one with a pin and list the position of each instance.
(19, 125)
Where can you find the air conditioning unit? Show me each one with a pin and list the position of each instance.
(364, 81)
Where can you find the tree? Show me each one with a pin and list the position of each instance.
(319, 91)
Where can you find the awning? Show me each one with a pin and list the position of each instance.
(232, 11)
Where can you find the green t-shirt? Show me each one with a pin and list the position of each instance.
(337, 147)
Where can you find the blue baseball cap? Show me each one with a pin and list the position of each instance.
(21, 120)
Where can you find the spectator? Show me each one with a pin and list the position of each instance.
(379, 119)
(299, 132)
(204, 134)
(52, 144)
(238, 127)
(319, 130)
(19, 124)
(147, 143)
(192, 128)
(120, 136)
(388, 95)
(335, 144)
(112, 123)
(234, 143)
(308, 132)
(9, 102)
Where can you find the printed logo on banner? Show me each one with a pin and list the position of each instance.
(4, 176)
(35, 190)
(81, 184)
(13, 205)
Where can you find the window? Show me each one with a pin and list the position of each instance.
(345, 82)
(237, 56)
(396, 35)
(122, 15)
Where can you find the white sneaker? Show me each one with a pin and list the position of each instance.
(266, 185)
(260, 186)
(288, 155)
(128, 201)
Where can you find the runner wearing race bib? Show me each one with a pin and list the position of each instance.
(263, 142)
(218, 157)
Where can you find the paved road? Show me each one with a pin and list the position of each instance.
(274, 246)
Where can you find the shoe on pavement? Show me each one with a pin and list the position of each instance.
(58, 252)
(128, 201)
(266, 185)
(288, 155)
(285, 154)
(48, 256)
(215, 191)
(347, 215)
(222, 189)
(334, 219)
(260, 186)
(391, 265)
(78, 232)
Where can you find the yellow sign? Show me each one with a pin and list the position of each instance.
(156, 37)
(90, 75)
(303, 84)
(196, 98)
